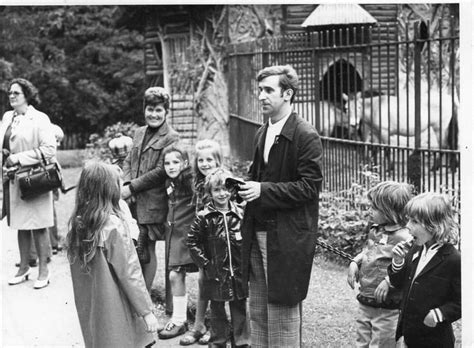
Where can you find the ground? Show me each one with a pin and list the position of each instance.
(47, 317)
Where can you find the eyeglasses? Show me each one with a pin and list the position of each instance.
(15, 93)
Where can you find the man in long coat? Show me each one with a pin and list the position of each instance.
(280, 222)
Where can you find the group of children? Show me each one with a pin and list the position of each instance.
(198, 197)
(409, 270)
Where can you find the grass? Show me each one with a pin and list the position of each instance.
(70, 158)
(329, 311)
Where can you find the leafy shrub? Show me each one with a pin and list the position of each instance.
(98, 147)
(344, 216)
(238, 168)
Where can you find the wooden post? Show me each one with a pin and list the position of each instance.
(166, 60)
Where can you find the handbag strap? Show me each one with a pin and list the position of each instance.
(42, 155)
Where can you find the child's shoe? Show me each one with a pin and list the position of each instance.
(172, 330)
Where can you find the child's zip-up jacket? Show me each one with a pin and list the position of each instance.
(215, 242)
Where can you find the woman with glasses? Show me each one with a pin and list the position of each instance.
(26, 135)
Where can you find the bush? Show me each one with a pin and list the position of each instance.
(344, 217)
(98, 147)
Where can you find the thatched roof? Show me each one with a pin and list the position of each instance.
(337, 14)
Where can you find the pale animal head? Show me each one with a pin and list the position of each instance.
(353, 108)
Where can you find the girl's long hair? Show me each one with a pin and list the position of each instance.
(207, 144)
(97, 197)
(185, 179)
(390, 198)
(436, 213)
(200, 197)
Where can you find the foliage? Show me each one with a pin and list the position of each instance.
(205, 52)
(238, 168)
(344, 217)
(249, 22)
(88, 70)
(437, 22)
(98, 146)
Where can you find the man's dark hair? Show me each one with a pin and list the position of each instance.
(288, 77)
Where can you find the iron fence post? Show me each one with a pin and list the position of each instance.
(414, 161)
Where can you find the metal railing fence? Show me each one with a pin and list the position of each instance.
(388, 107)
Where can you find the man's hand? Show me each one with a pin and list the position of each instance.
(126, 193)
(250, 191)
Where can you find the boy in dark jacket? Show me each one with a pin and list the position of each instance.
(429, 272)
(215, 245)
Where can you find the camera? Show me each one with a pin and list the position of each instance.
(232, 185)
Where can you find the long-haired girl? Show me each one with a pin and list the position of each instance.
(207, 157)
(378, 301)
(181, 212)
(429, 272)
(109, 289)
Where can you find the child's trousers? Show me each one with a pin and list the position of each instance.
(376, 327)
(220, 324)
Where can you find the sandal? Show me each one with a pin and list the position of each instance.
(204, 340)
(190, 337)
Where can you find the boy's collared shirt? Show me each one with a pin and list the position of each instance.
(426, 255)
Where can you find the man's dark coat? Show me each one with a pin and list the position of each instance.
(288, 204)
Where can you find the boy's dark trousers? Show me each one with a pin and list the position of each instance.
(220, 325)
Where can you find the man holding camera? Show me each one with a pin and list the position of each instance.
(281, 217)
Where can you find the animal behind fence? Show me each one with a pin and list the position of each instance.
(388, 119)
(332, 121)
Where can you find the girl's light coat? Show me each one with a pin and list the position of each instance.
(111, 299)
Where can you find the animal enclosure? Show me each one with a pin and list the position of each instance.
(388, 107)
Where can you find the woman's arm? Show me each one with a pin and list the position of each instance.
(47, 144)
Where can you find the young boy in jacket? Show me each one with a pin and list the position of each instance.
(215, 245)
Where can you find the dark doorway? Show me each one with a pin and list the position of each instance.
(340, 77)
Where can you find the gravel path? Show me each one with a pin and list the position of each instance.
(45, 317)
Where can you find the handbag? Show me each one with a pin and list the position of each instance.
(39, 179)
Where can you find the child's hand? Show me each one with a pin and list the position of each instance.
(400, 250)
(353, 274)
(151, 322)
(382, 291)
(211, 275)
(430, 319)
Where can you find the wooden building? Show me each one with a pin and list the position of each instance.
(349, 25)
(168, 34)
(170, 31)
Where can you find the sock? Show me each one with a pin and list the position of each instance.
(180, 304)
